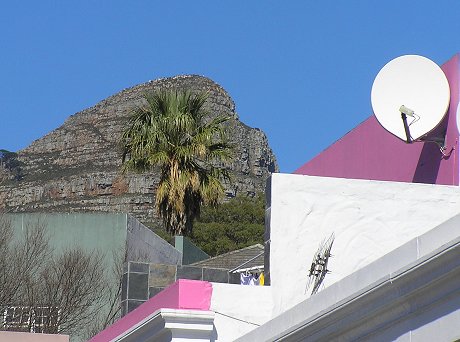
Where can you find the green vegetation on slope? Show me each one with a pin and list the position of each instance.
(235, 224)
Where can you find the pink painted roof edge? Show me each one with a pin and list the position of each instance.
(183, 294)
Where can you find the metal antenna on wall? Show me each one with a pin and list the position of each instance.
(318, 268)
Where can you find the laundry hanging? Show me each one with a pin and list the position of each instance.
(254, 279)
(246, 278)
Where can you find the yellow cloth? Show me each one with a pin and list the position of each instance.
(261, 279)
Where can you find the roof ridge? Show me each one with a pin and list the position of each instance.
(230, 253)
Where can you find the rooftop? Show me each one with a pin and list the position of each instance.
(236, 258)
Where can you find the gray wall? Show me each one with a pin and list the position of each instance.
(190, 252)
(145, 245)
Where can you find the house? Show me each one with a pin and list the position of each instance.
(393, 269)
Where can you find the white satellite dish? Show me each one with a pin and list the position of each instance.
(410, 97)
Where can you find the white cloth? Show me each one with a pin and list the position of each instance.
(246, 279)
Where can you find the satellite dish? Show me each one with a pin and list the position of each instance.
(318, 268)
(410, 97)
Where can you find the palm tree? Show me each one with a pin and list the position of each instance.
(174, 132)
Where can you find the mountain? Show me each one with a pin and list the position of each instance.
(76, 167)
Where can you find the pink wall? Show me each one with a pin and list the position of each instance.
(370, 152)
(9, 336)
(183, 294)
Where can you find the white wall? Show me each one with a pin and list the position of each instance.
(239, 309)
(409, 294)
(369, 219)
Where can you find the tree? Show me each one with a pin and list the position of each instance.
(174, 132)
(50, 291)
(233, 225)
(19, 260)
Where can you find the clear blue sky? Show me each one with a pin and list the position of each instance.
(301, 71)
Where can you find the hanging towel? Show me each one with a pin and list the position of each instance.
(246, 279)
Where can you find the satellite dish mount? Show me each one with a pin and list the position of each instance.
(420, 84)
(404, 113)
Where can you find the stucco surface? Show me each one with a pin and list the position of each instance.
(368, 218)
(409, 294)
(239, 309)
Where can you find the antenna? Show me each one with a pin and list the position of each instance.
(412, 87)
(318, 268)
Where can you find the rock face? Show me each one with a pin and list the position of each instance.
(76, 167)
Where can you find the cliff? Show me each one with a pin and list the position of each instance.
(76, 167)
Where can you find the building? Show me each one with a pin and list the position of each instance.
(115, 237)
(394, 265)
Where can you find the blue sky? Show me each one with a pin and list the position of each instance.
(301, 71)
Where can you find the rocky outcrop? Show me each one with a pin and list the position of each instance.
(76, 167)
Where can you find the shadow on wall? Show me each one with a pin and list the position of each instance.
(428, 166)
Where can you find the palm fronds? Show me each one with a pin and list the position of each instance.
(173, 131)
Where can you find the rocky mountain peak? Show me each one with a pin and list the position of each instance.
(76, 167)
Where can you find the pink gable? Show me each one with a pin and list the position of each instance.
(183, 294)
(370, 152)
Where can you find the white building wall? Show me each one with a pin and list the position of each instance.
(369, 219)
(409, 294)
(239, 309)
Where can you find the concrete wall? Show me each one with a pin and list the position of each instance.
(145, 245)
(369, 219)
(190, 252)
(239, 309)
(370, 152)
(101, 231)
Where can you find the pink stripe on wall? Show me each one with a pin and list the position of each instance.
(370, 152)
(183, 294)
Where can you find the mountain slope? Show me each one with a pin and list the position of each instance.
(76, 167)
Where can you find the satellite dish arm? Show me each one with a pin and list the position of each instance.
(406, 128)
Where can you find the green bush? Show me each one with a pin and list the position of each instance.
(233, 225)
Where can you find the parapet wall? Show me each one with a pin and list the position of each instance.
(369, 219)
